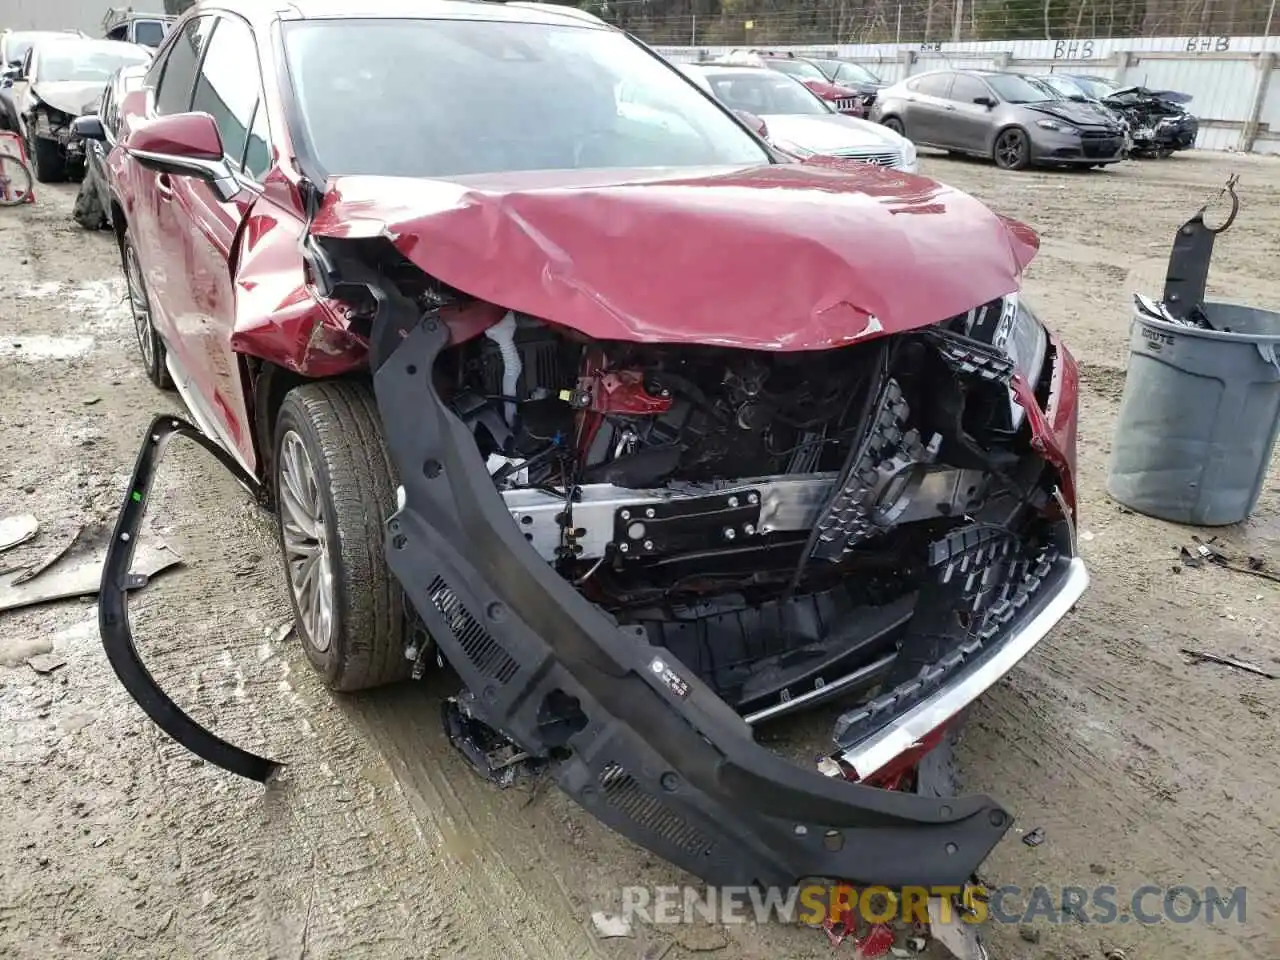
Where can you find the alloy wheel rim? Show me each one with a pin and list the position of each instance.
(1010, 149)
(306, 546)
(140, 306)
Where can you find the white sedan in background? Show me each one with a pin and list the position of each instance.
(798, 121)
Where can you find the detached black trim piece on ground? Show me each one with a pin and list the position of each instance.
(113, 606)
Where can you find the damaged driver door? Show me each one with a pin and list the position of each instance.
(229, 88)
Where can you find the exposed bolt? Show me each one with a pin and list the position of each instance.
(650, 513)
(729, 533)
(658, 666)
(648, 544)
(624, 547)
(626, 514)
(749, 529)
(753, 498)
(733, 501)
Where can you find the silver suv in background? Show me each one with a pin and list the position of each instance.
(1003, 116)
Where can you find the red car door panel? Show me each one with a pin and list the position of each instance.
(210, 248)
(156, 217)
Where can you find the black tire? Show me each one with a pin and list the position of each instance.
(894, 124)
(153, 359)
(88, 210)
(47, 160)
(339, 429)
(1012, 149)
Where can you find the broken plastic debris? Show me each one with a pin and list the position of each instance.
(46, 662)
(609, 926)
(1197, 656)
(1034, 837)
(17, 529)
(955, 933)
(78, 573)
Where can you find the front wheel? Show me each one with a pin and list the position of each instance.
(48, 161)
(1012, 149)
(894, 124)
(335, 489)
(88, 210)
(150, 346)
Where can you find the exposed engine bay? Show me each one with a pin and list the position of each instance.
(771, 518)
(1158, 122)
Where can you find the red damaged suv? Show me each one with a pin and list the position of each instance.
(647, 433)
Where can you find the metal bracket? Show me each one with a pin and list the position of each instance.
(1187, 274)
(688, 523)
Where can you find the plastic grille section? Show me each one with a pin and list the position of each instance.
(624, 794)
(476, 643)
(854, 513)
(1000, 576)
(972, 358)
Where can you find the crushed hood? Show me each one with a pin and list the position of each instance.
(785, 257)
(1084, 114)
(70, 96)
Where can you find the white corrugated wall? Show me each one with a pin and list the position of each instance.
(1222, 74)
(83, 15)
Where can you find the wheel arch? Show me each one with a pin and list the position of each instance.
(269, 384)
(1001, 131)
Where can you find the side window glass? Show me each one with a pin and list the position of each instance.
(935, 85)
(964, 89)
(229, 84)
(107, 111)
(178, 74)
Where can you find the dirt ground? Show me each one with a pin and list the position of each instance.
(1139, 767)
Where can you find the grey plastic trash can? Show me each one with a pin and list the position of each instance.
(1199, 416)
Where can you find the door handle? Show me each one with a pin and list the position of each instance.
(164, 186)
(950, 106)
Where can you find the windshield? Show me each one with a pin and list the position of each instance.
(1015, 89)
(149, 33)
(1098, 89)
(798, 68)
(763, 93)
(1064, 87)
(843, 70)
(17, 45)
(81, 64)
(448, 98)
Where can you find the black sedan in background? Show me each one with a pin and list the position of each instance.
(93, 203)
